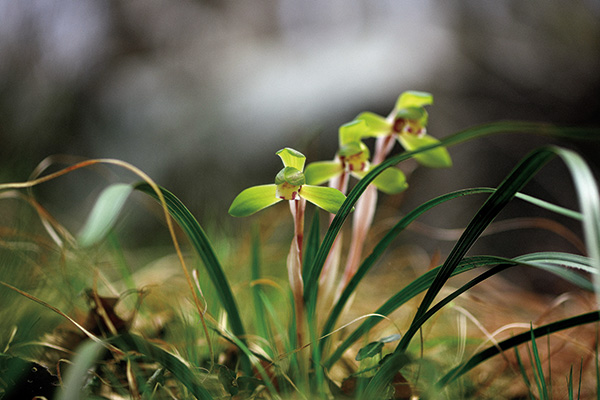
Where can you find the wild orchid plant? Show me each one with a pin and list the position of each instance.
(290, 184)
(407, 122)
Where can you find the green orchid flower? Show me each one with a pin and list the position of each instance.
(353, 157)
(408, 122)
(290, 184)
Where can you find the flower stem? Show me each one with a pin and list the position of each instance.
(294, 264)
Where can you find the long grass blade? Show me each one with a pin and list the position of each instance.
(201, 243)
(104, 214)
(262, 325)
(182, 372)
(538, 373)
(88, 354)
(589, 203)
(523, 373)
(524, 171)
(311, 245)
(417, 286)
(553, 262)
(311, 284)
(516, 340)
(384, 243)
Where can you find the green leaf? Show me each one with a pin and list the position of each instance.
(88, 354)
(377, 125)
(292, 158)
(390, 338)
(390, 181)
(311, 245)
(414, 98)
(253, 199)
(374, 348)
(516, 340)
(370, 350)
(182, 372)
(329, 199)
(320, 172)
(199, 240)
(506, 127)
(104, 214)
(434, 158)
(352, 132)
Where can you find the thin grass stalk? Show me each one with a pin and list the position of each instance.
(524, 171)
(523, 372)
(201, 243)
(381, 246)
(259, 309)
(33, 182)
(516, 340)
(538, 370)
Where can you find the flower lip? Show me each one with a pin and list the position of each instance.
(287, 191)
(291, 176)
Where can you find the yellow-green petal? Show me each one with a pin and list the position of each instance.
(292, 158)
(413, 98)
(352, 132)
(322, 171)
(390, 181)
(253, 199)
(377, 125)
(434, 158)
(329, 199)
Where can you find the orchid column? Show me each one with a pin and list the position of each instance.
(290, 184)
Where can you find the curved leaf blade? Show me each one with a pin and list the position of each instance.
(202, 245)
(104, 214)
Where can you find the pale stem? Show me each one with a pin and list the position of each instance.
(364, 213)
(361, 223)
(332, 262)
(294, 263)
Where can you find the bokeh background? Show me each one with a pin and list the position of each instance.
(200, 94)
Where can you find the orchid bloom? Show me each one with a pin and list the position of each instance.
(353, 158)
(408, 123)
(290, 184)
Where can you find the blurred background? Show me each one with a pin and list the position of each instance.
(201, 94)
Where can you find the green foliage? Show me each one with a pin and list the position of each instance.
(280, 341)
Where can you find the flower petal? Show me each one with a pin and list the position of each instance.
(377, 125)
(352, 132)
(414, 98)
(434, 158)
(321, 171)
(253, 199)
(292, 158)
(327, 198)
(390, 181)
